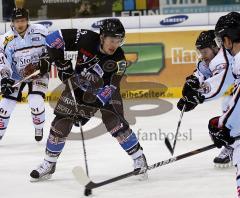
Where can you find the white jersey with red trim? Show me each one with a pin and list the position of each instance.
(231, 117)
(216, 77)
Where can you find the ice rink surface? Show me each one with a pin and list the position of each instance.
(191, 177)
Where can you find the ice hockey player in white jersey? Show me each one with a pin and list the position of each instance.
(24, 48)
(225, 129)
(209, 80)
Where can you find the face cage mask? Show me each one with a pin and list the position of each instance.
(218, 40)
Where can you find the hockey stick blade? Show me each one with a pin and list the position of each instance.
(168, 145)
(80, 175)
(83, 179)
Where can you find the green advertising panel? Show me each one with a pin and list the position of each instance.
(144, 58)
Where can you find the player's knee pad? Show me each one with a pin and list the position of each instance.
(6, 108)
(61, 126)
(36, 103)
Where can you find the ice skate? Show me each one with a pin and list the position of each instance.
(140, 165)
(43, 172)
(224, 159)
(38, 134)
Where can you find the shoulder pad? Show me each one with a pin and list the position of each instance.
(38, 28)
(219, 59)
(7, 37)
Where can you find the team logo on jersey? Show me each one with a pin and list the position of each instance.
(8, 39)
(121, 67)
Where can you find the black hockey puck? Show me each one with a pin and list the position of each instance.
(87, 192)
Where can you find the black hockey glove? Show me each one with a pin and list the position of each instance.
(44, 65)
(6, 86)
(190, 101)
(191, 85)
(65, 69)
(220, 136)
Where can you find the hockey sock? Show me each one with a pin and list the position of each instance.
(54, 147)
(131, 145)
(3, 125)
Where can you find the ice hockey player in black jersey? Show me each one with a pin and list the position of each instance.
(95, 80)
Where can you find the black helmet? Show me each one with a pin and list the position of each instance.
(206, 39)
(112, 27)
(19, 13)
(229, 26)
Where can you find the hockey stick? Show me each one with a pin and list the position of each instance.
(167, 142)
(86, 191)
(83, 179)
(26, 78)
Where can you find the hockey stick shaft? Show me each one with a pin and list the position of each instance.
(167, 142)
(178, 127)
(26, 78)
(80, 125)
(83, 179)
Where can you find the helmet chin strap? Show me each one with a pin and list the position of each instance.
(230, 49)
(101, 46)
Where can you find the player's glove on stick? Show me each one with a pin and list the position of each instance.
(219, 135)
(105, 94)
(192, 84)
(190, 101)
(65, 69)
(6, 86)
(44, 65)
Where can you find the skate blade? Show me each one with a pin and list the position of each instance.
(142, 177)
(44, 178)
(227, 165)
(38, 138)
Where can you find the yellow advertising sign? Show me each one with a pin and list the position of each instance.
(179, 56)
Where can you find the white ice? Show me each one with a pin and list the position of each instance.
(191, 177)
